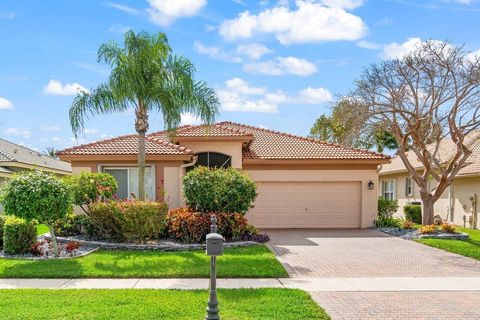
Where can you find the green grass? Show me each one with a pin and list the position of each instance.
(237, 304)
(468, 248)
(42, 229)
(245, 262)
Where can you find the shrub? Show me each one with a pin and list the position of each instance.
(413, 213)
(407, 224)
(71, 225)
(37, 195)
(89, 187)
(219, 190)
(130, 220)
(105, 220)
(190, 226)
(428, 229)
(142, 220)
(72, 245)
(386, 208)
(36, 248)
(19, 235)
(448, 227)
(2, 222)
(388, 222)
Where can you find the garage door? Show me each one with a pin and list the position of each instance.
(307, 205)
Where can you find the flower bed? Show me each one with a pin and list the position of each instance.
(158, 245)
(43, 249)
(413, 234)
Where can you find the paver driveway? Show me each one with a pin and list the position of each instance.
(363, 253)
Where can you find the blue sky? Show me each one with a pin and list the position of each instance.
(276, 64)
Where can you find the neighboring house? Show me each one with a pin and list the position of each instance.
(457, 203)
(302, 182)
(15, 158)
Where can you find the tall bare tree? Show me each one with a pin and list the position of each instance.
(431, 94)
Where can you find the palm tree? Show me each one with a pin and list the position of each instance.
(147, 77)
(51, 152)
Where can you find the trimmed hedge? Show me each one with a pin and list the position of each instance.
(130, 220)
(190, 226)
(413, 213)
(219, 190)
(19, 235)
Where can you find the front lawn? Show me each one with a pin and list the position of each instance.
(245, 262)
(279, 304)
(468, 248)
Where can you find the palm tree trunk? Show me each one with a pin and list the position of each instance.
(141, 126)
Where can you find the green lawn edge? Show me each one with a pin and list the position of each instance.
(244, 262)
(468, 248)
(235, 304)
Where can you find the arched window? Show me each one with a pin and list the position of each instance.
(213, 160)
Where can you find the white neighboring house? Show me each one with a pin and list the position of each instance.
(458, 204)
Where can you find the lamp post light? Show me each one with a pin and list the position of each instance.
(214, 249)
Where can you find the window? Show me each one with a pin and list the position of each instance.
(408, 187)
(214, 160)
(127, 179)
(388, 189)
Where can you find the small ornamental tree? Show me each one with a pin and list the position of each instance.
(219, 190)
(88, 187)
(38, 195)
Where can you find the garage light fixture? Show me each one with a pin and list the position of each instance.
(370, 185)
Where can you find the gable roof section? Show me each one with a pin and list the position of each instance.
(275, 145)
(128, 145)
(11, 153)
(445, 153)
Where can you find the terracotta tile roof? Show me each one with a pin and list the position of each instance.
(264, 144)
(127, 145)
(270, 145)
(445, 152)
(215, 130)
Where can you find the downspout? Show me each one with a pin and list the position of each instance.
(450, 203)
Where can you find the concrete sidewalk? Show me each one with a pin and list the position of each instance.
(376, 284)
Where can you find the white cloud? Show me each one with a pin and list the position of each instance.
(50, 128)
(241, 86)
(396, 50)
(345, 4)
(91, 131)
(315, 95)
(459, 1)
(472, 56)
(282, 66)
(22, 132)
(165, 12)
(5, 104)
(309, 22)
(55, 87)
(124, 8)
(215, 53)
(188, 118)
(238, 95)
(369, 45)
(253, 50)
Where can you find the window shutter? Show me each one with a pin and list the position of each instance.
(394, 187)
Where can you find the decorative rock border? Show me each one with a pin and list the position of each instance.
(161, 246)
(84, 253)
(412, 234)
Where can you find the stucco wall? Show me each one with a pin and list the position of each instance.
(368, 198)
(462, 189)
(231, 148)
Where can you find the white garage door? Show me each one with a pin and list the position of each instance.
(307, 205)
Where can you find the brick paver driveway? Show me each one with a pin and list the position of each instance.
(363, 253)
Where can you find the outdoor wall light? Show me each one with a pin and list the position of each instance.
(370, 185)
